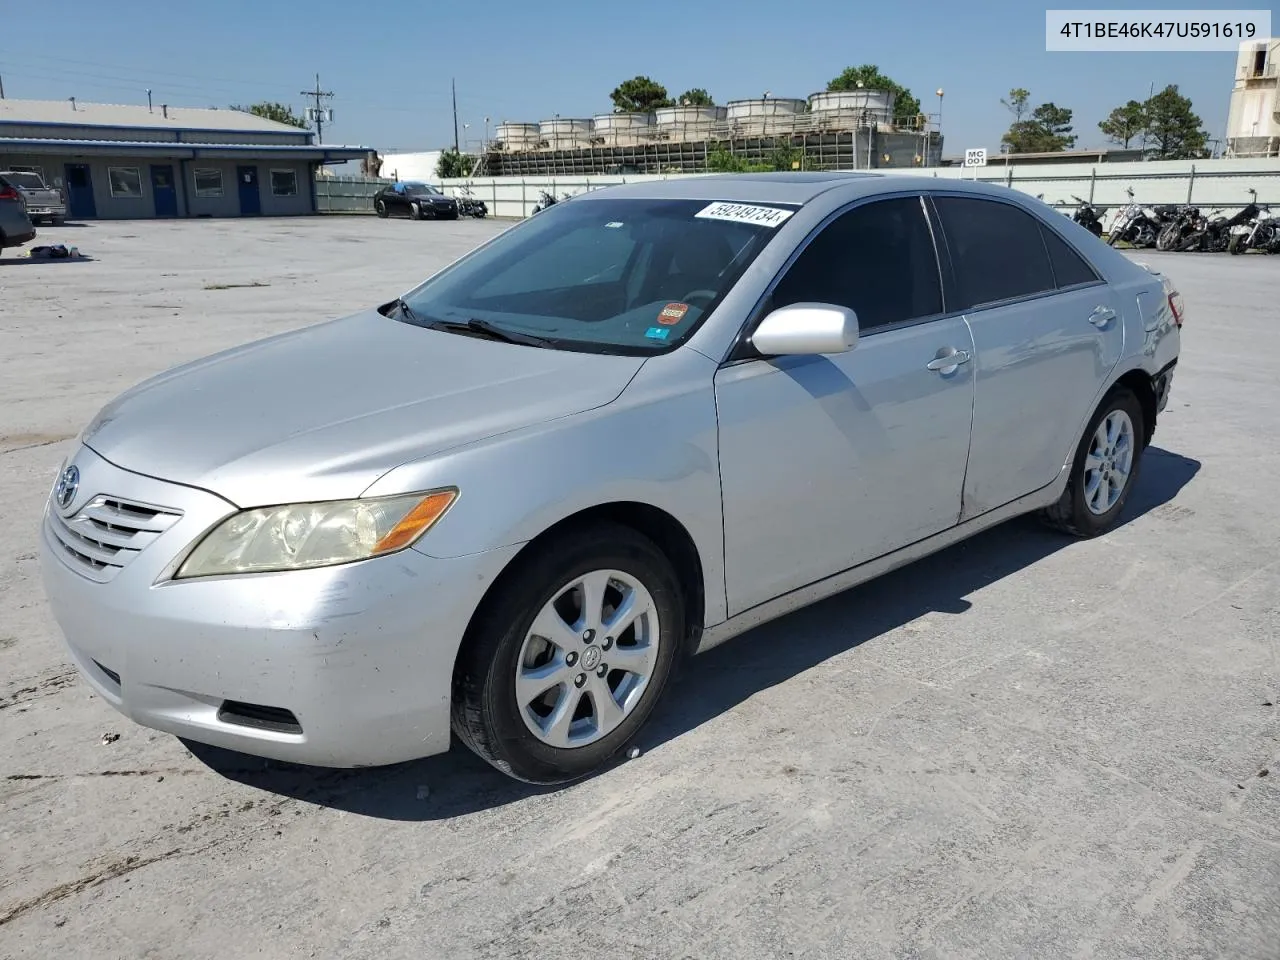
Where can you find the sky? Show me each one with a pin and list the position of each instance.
(390, 64)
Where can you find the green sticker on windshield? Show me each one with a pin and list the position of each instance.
(657, 333)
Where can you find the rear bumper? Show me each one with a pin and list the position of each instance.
(17, 239)
(1162, 384)
(344, 666)
(48, 210)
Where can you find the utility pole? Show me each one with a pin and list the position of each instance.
(318, 95)
(454, 85)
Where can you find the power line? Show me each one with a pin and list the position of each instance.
(319, 95)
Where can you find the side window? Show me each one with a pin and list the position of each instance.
(996, 251)
(1069, 268)
(878, 259)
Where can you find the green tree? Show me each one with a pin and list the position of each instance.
(697, 97)
(1019, 100)
(279, 112)
(720, 160)
(1173, 129)
(1125, 123)
(1048, 130)
(868, 76)
(639, 95)
(453, 165)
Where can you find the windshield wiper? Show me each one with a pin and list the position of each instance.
(493, 331)
(406, 311)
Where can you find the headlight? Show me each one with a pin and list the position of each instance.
(297, 536)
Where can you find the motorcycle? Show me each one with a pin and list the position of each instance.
(1181, 222)
(1262, 234)
(1213, 234)
(1088, 216)
(469, 206)
(1135, 224)
(547, 199)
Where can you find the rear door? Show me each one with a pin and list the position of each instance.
(1047, 332)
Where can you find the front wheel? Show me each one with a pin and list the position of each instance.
(380, 208)
(1105, 468)
(1235, 246)
(566, 662)
(1168, 237)
(415, 211)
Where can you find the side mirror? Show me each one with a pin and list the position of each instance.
(807, 328)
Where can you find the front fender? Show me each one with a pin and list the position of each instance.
(656, 445)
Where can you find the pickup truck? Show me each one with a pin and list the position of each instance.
(43, 201)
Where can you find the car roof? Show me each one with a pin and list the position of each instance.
(787, 187)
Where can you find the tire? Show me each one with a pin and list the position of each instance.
(487, 714)
(415, 211)
(1235, 246)
(1072, 513)
(1168, 237)
(380, 208)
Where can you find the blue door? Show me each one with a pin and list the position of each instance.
(80, 205)
(250, 201)
(163, 190)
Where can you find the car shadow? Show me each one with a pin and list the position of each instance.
(459, 783)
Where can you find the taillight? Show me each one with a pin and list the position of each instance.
(9, 193)
(1175, 304)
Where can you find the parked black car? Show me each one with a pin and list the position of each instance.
(418, 201)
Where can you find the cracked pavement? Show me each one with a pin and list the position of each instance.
(1025, 746)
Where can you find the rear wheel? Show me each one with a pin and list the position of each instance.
(380, 208)
(565, 665)
(1105, 468)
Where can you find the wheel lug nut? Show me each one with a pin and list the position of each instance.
(588, 636)
(580, 679)
(602, 670)
(608, 642)
(571, 658)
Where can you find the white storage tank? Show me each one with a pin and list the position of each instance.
(621, 129)
(565, 134)
(687, 122)
(517, 136)
(767, 115)
(846, 107)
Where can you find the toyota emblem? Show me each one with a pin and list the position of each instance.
(68, 484)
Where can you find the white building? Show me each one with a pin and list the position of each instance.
(1253, 123)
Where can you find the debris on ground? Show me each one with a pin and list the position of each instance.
(57, 251)
(109, 738)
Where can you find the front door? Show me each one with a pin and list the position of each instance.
(830, 461)
(1047, 332)
(250, 200)
(80, 204)
(163, 190)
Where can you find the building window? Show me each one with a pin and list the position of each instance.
(284, 183)
(126, 182)
(208, 181)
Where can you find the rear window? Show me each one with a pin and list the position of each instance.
(28, 180)
(607, 275)
(996, 251)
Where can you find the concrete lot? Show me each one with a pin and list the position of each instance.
(1024, 747)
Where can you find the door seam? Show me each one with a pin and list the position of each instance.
(973, 404)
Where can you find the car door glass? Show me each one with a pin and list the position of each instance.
(878, 260)
(1069, 268)
(996, 251)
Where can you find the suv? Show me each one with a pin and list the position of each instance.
(43, 201)
(15, 225)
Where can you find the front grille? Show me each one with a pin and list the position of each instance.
(107, 533)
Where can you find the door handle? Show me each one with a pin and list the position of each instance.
(1101, 316)
(946, 362)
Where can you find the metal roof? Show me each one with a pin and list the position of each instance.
(184, 149)
(83, 114)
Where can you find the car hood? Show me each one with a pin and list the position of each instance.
(321, 413)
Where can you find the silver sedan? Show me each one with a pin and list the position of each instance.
(510, 501)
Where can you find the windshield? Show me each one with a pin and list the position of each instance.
(420, 189)
(28, 180)
(615, 276)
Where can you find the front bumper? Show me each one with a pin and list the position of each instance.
(343, 666)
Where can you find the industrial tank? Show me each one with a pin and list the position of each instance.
(688, 123)
(565, 134)
(767, 115)
(517, 136)
(621, 129)
(845, 109)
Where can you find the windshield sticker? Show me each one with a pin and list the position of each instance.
(745, 213)
(657, 333)
(673, 313)
(613, 224)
